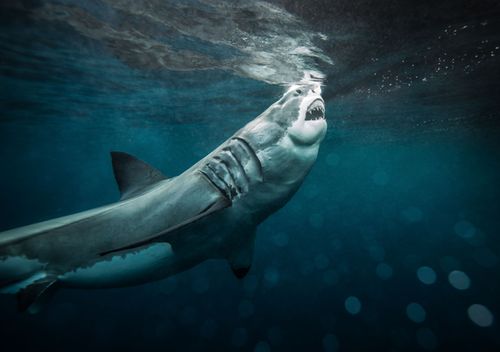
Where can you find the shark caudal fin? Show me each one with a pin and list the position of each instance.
(133, 175)
(34, 296)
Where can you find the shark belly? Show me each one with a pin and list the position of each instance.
(17, 272)
(136, 266)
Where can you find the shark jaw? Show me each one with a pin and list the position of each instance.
(316, 110)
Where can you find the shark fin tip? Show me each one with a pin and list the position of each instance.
(132, 174)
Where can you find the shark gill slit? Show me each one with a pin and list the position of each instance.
(246, 146)
(237, 168)
(220, 170)
(237, 161)
(229, 170)
(216, 180)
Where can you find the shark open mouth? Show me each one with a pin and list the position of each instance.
(316, 110)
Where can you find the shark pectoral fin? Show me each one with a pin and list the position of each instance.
(35, 295)
(241, 259)
(133, 175)
(219, 204)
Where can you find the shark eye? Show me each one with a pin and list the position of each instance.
(298, 91)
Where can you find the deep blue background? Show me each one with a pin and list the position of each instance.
(405, 160)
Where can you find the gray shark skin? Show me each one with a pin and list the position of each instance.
(162, 226)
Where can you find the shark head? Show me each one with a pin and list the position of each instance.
(299, 116)
(285, 138)
(302, 110)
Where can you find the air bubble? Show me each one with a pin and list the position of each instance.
(415, 312)
(426, 275)
(480, 315)
(459, 280)
(353, 305)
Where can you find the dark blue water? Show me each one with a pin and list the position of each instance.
(392, 242)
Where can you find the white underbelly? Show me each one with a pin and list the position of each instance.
(18, 267)
(19, 272)
(123, 269)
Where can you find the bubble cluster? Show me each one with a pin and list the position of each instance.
(436, 60)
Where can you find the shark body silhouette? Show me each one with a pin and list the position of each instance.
(161, 225)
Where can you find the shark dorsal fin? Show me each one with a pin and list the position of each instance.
(133, 175)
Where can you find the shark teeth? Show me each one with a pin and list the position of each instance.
(315, 111)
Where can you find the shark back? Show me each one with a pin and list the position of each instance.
(23, 233)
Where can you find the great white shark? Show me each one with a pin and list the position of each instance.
(162, 226)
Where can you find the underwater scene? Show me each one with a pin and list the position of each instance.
(354, 207)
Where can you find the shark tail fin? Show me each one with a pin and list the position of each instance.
(34, 296)
(133, 175)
